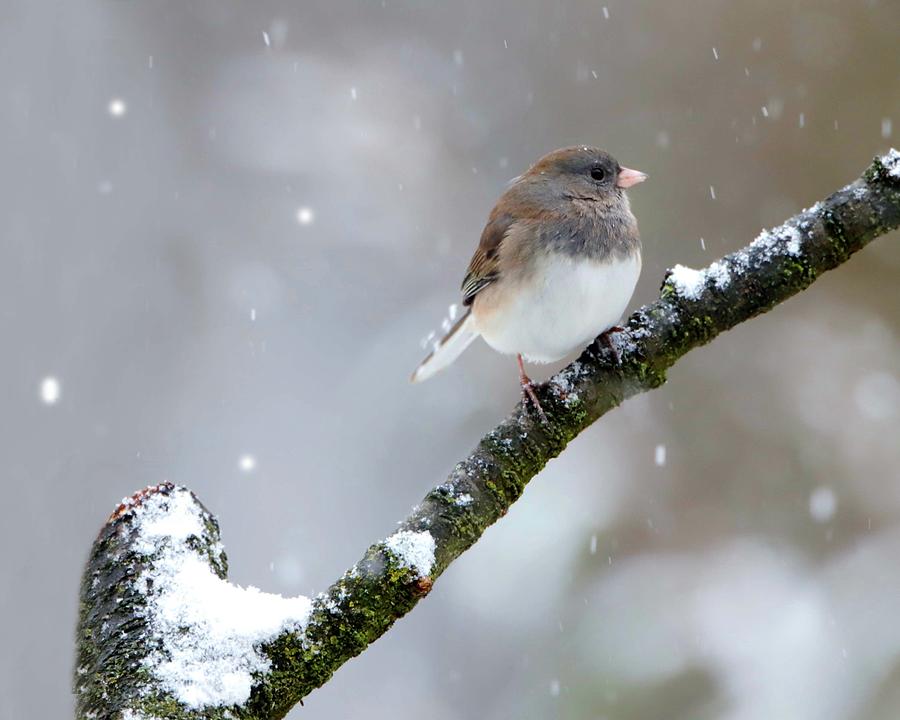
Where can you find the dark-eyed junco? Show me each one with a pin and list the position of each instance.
(556, 266)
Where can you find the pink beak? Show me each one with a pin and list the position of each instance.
(628, 177)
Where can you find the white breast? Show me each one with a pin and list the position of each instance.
(566, 304)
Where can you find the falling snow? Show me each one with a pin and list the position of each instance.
(822, 504)
(117, 107)
(50, 390)
(659, 455)
(877, 396)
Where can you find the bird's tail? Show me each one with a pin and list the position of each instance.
(448, 348)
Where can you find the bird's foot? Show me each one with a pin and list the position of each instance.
(529, 393)
(610, 345)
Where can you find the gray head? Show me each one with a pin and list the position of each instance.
(584, 173)
(583, 189)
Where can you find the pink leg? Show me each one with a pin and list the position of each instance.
(528, 389)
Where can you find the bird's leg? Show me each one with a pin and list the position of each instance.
(610, 345)
(528, 389)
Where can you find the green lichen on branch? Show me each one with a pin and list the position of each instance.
(693, 308)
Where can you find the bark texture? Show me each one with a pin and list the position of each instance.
(112, 681)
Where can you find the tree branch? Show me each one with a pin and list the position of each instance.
(162, 635)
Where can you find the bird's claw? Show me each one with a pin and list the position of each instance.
(528, 391)
(530, 395)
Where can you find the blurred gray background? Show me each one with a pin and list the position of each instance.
(226, 226)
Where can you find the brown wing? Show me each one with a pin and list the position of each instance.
(484, 268)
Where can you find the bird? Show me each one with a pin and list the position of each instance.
(556, 265)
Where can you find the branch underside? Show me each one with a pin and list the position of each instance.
(113, 679)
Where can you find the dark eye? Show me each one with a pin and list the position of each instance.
(598, 173)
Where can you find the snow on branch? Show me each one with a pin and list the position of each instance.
(161, 632)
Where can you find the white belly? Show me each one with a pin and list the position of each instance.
(569, 304)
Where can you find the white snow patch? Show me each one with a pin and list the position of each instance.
(413, 550)
(205, 632)
(793, 240)
(687, 281)
(135, 715)
(565, 383)
(784, 236)
(719, 274)
(891, 163)
(463, 500)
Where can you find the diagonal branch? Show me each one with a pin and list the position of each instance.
(162, 634)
